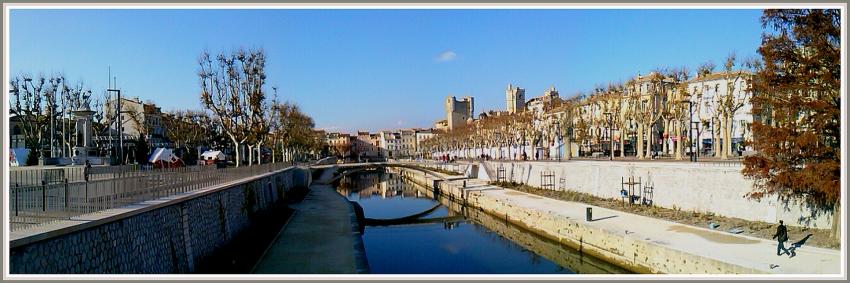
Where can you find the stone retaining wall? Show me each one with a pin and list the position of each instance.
(172, 236)
(702, 187)
(615, 247)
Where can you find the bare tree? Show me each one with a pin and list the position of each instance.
(705, 68)
(678, 109)
(232, 88)
(28, 106)
(294, 131)
(186, 128)
(731, 101)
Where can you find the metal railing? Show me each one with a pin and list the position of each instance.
(31, 205)
(35, 176)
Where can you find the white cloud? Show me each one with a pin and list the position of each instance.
(400, 122)
(446, 56)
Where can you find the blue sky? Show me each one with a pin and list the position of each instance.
(376, 69)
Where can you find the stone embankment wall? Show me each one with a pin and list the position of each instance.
(615, 247)
(715, 188)
(171, 235)
(559, 253)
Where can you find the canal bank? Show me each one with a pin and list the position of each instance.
(179, 233)
(640, 244)
(322, 237)
(429, 234)
(552, 250)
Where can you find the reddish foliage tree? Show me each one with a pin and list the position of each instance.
(797, 102)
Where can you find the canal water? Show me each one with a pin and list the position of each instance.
(445, 238)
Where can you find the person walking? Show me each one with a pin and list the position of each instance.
(781, 236)
(87, 170)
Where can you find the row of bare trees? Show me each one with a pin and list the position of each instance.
(238, 113)
(43, 107)
(233, 89)
(646, 108)
(794, 91)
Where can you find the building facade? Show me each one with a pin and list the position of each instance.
(711, 96)
(543, 103)
(390, 143)
(139, 119)
(421, 137)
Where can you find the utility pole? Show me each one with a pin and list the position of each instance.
(118, 126)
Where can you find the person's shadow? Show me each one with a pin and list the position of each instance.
(798, 244)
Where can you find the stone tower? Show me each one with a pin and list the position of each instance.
(515, 99)
(550, 94)
(458, 111)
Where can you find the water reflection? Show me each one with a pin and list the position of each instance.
(459, 241)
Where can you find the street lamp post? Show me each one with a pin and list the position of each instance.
(119, 126)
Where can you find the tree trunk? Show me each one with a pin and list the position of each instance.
(677, 130)
(623, 140)
(568, 150)
(724, 152)
(727, 139)
(250, 154)
(259, 147)
(715, 136)
(639, 152)
(236, 147)
(64, 133)
(611, 138)
(665, 138)
(649, 141)
(836, 220)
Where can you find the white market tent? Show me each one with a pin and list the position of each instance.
(213, 155)
(163, 155)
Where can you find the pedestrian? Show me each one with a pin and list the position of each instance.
(781, 236)
(86, 170)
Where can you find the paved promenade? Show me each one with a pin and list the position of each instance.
(737, 249)
(319, 239)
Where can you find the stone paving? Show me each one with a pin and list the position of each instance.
(319, 238)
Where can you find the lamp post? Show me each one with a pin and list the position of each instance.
(119, 126)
